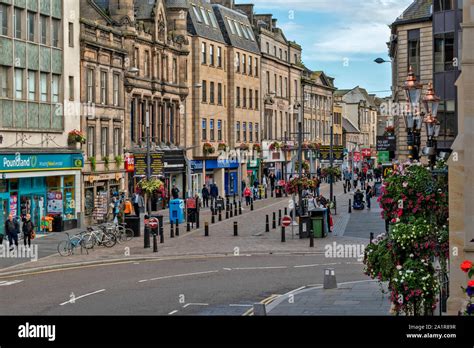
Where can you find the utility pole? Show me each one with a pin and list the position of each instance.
(300, 161)
(331, 159)
(148, 157)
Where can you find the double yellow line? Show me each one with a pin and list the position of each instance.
(266, 302)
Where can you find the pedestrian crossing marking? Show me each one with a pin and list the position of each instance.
(6, 283)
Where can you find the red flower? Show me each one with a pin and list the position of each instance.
(466, 266)
(471, 284)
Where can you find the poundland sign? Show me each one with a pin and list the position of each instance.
(25, 163)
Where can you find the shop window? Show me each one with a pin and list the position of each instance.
(89, 201)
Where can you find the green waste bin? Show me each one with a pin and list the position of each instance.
(317, 222)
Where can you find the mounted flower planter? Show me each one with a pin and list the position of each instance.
(222, 147)
(286, 148)
(208, 149)
(276, 146)
(305, 166)
(257, 148)
(75, 139)
(244, 147)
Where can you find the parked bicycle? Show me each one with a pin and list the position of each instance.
(99, 236)
(67, 247)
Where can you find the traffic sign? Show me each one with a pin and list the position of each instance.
(153, 223)
(286, 221)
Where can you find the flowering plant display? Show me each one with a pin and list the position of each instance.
(314, 146)
(468, 267)
(294, 184)
(222, 147)
(286, 147)
(208, 149)
(276, 146)
(257, 148)
(76, 136)
(244, 147)
(305, 166)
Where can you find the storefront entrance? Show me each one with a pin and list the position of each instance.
(35, 206)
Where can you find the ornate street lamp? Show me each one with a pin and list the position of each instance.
(413, 121)
(433, 126)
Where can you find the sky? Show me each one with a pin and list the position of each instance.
(340, 37)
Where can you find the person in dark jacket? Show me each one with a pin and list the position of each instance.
(28, 229)
(175, 192)
(214, 193)
(205, 197)
(12, 228)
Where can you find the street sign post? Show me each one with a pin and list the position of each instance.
(286, 221)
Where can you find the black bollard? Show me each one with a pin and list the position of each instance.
(335, 206)
(234, 199)
(251, 204)
(286, 211)
(267, 224)
(236, 229)
(206, 229)
(274, 221)
(146, 238)
(279, 217)
(155, 243)
(240, 207)
(311, 239)
(177, 228)
(197, 219)
(188, 227)
(350, 206)
(266, 194)
(227, 214)
(231, 212)
(162, 235)
(220, 214)
(283, 234)
(236, 212)
(213, 220)
(172, 230)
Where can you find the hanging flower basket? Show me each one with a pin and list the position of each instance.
(314, 146)
(286, 148)
(276, 146)
(305, 166)
(208, 149)
(76, 136)
(294, 184)
(222, 147)
(244, 147)
(257, 148)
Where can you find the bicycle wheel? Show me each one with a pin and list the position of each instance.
(129, 234)
(88, 240)
(65, 248)
(109, 240)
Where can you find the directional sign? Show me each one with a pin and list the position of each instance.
(286, 221)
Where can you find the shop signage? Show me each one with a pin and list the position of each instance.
(325, 153)
(129, 163)
(196, 165)
(356, 157)
(387, 143)
(156, 164)
(18, 162)
(366, 153)
(383, 156)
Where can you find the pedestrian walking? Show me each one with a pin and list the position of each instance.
(28, 230)
(214, 194)
(355, 178)
(138, 203)
(272, 182)
(175, 192)
(247, 195)
(362, 181)
(369, 193)
(12, 228)
(205, 196)
(127, 207)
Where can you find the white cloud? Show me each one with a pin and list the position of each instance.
(356, 26)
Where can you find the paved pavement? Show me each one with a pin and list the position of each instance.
(352, 298)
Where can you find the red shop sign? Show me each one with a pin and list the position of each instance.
(129, 163)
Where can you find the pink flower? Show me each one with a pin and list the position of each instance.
(405, 184)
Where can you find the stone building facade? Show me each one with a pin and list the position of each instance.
(461, 193)
(39, 95)
(411, 45)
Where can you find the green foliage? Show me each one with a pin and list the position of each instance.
(93, 162)
(119, 161)
(150, 186)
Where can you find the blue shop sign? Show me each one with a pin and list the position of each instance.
(221, 164)
(196, 165)
(17, 162)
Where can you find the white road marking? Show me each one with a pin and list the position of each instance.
(227, 269)
(173, 312)
(240, 305)
(195, 304)
(259, 268)
(82, 296)
(317, 264)
(7, 283)
(177, 276)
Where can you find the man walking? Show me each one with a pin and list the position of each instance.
(28, 230)
(12, 228)
(138, 203)
(205, 197)
(369, 193)
(175, 192)
(214, 194)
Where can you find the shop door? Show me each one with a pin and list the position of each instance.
(3, 214)
(35, 206)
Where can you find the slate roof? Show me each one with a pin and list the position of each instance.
(348, 126)
(143, 8)
(222, 13)
(419, 10)
(200, 28)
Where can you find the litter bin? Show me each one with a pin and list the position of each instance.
(220, 204)
(278, 191)
(177, 210)
(317, 222)
(191, 210)
(133, 222)
(58, 223)
(306, 222)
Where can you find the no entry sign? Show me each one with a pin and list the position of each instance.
(286, 221)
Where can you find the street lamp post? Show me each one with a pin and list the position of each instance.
(148, 158)
(413, 120)
(431, 104)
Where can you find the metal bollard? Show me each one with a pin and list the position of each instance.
(330, 279)
(266, 194)
(234, 199)
(236, 229)
(267, 224)
(220, 214)
(172, 230)
(146, 241)
(350, 206)
(240, 207)
(286, 211)
(155, 243)
(231, 212)
(335, 206)
(188, 227)
(213, 219)
(177, 228)
(283, 234)
(206, 229)
(251, 204)
(236, 212)
(279, 217)
(311, 239)
(227, 214)
(162, 235)
(274, 221)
